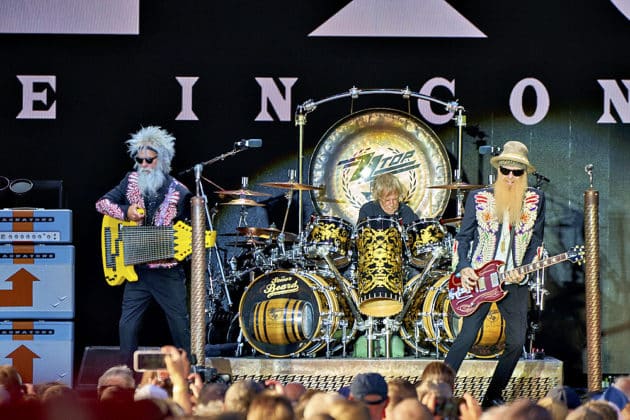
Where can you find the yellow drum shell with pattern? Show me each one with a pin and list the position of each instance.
(372, 142)
(281, 313)
(431, 308)
(380, 266)
(423, 236)
(332, 235)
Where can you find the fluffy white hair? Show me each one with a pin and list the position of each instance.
(156, 139)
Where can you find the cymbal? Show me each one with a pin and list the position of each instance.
(242, 202)
(452, 220)
(243, 192)
(266, 233)
(291, 186)
(245, 244)
(457, 186)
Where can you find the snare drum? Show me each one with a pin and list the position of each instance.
(423, 236)
(291, 313)
(331, 235)
(380, 266)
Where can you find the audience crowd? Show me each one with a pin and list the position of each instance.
(180, 392)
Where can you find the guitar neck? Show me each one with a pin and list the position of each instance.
(538, 265)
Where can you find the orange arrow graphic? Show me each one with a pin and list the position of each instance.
(23, 362)
(22, 292)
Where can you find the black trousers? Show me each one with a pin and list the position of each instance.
(168, 287)
(513, 308)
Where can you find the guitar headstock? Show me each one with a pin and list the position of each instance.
(576, 254)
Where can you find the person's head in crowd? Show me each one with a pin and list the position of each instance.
(613, 395)
(397, 390)
(11, 382)
(320, 402)
(214, 391)
(565, 395)
(525, 409)
(584, 412)
(240, 395)
(557, 409)
(437, 371)
(293, 391)
(268, 405)
(116, 383)
(623, 383)
(370, 389)
(608, 410)
(342, 409)
(495, 413)
(303, 401)
(59, 392)
(410, 409)
(438, 389)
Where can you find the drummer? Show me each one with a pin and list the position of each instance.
(387, 193)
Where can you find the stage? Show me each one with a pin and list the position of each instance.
(531, 378)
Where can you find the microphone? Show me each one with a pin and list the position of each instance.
(248, 144)
(541, 176)
(494, 150)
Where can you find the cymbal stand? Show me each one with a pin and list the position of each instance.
(289, 197)
(201, 193)
(537, 287)
(389, 325)
(460, 121)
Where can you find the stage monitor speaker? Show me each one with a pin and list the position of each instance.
(95, 361)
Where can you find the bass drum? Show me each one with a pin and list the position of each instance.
(430, 321)
(372, 142)
(288, 314)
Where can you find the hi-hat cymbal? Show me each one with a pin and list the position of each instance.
(243, 192)
(242, 202)
(457, 186)
(266, 233)
(291, 186)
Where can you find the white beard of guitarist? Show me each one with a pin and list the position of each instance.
(150, 179)
(509, 191)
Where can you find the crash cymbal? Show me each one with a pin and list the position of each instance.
(246, 244)
(450, 221)
(242, 202)
(243, 192)
(265, 233)
(291, 186)
(457, 186)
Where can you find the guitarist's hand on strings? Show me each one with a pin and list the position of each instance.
(135, 213)
(469, 278)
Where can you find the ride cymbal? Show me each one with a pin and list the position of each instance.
(243, 192)
(291, 186)
(242, 202)
(457, 186)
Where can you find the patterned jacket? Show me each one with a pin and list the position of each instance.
(478, 238)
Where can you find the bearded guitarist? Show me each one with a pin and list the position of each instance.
(503, 222)
(149, 196)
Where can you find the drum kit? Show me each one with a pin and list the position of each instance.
(320, 289)
(377, 288)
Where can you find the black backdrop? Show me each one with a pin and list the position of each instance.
(107, 86)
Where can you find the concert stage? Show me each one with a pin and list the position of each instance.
(531, 378)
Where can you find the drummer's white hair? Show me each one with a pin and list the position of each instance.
(156, 139)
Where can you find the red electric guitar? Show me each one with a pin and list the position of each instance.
(489, 286)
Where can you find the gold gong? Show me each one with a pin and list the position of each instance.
(372, 142)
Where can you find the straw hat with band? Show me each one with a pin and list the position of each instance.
(514, 154)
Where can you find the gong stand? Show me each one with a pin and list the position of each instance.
(310, 106)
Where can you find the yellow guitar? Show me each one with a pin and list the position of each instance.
(124, 244)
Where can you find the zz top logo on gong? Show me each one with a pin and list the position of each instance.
(369, 165)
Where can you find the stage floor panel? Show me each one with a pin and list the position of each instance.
(531, 378)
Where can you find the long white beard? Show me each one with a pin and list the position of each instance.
(150, 181)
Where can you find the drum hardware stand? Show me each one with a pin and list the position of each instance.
(539, 291)
(342, 286)
(437, 324)
(309, 106)
(389, 326)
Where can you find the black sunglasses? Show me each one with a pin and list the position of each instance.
(148, 160)
(506, 171)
